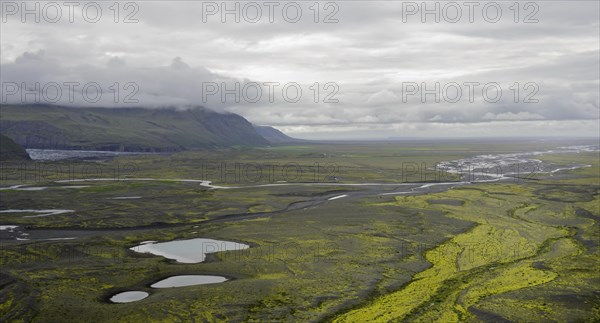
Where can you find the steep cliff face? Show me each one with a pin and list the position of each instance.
(10, 150)
(125, 129)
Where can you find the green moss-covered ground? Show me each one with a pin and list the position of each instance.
(519, 251)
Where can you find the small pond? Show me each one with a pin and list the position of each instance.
(188, 251)
(188, 280)
(127, 297)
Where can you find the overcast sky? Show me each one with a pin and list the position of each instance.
(374, 56)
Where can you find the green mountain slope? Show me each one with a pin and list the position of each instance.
(10, 150)
(125, 129)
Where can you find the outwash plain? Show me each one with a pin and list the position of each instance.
(343, 232)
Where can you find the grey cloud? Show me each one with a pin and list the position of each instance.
(170, 53)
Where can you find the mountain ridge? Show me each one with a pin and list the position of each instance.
(125, 129)
(275, 136)
(10, 150)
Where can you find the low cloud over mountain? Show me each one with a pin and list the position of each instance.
(547, 70)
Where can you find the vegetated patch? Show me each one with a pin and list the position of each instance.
(567, 193)
(17, 300)
(446, 202)
(486, 316)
